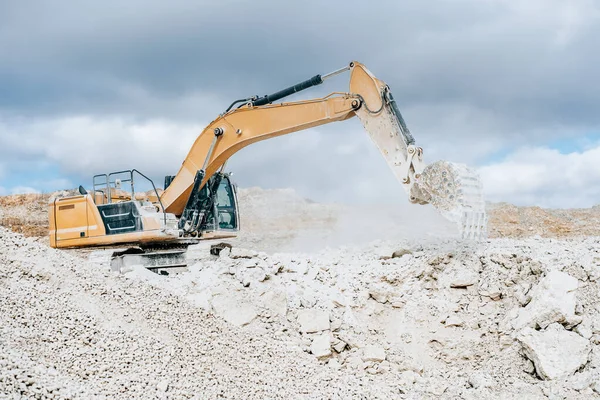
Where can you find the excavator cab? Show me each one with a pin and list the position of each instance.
(224, 208)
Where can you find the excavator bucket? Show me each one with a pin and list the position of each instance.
(453, 189)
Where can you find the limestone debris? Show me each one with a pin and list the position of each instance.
(298, 308)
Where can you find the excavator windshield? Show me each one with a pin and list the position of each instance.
(225, 208)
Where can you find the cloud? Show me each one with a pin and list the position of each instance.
(83, 146)
(23, 190)
(545, 177)
(113, 85)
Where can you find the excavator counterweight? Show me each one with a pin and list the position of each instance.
(199, 202)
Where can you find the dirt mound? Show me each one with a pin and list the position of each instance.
(507, 220)
(25, 213)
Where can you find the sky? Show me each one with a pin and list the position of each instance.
(510, 88)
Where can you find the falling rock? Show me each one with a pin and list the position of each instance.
(321, 345)
(552, 300)
(556, 353)
(373, 353)
(313, 320)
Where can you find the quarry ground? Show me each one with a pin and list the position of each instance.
(313, 301)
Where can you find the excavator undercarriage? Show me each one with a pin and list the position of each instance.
(200, 202)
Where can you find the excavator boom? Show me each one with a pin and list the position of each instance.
(368, 98)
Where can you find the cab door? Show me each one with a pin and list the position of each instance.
(71, 218)
(226, 206)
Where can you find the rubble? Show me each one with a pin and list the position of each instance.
(552, 300)
(312, 321)
(269, 319)
(373, 353)
(462, 278)
(555, 352)
(321, 345)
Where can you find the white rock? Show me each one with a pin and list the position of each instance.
(334, 364)
(339, 300)
(373, 353)
(584, 329)
(300, 268)
(336, 324)
(321, 345)
(339, 346)
(480, 380)
(250, 263)
(555, 352)
(379, 293)
(581, 381)
(552, 300)
(596, 385)
(163, 385)
(408, 378)
(313, 320)
(225, 253)
(275, 301)
(462, 278)
(232, 310)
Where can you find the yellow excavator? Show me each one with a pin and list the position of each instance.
(200, 202)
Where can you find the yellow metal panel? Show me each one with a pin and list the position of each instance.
(71, 218)
(246, 125)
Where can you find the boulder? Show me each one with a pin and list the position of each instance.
(552, 300)
(556, 353)
(462, 278)
(373, 353)
(232, 310)
(313, 320)
(275, 301)
(321, 345)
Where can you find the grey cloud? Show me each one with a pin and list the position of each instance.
(472, 77)
(478, 53)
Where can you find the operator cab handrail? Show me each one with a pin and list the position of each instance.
(107, 183)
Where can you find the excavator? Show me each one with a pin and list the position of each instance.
(200, 201)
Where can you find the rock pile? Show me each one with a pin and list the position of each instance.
(426, 318)
(505, 319)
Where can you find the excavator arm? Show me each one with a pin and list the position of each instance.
(239, 128)
(369, 99)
